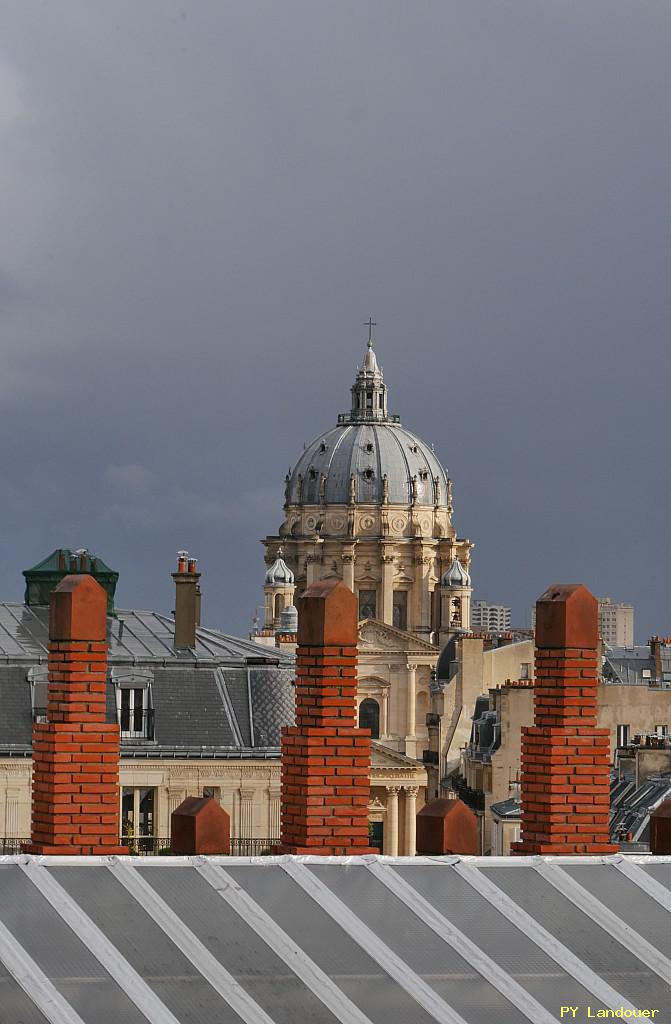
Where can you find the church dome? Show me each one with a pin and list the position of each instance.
(368, 458)
(279, 572)
(456, 576)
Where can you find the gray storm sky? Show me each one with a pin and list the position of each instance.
(200, 204)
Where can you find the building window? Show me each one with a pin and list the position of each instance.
(622, 735)
(525, 670)
(661, 731)
(400, 609)
(369, 717)
(134, 715)
(455, 616)
(137, 814)
(39, 693)
(367, 604)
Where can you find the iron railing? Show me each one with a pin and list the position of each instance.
(150, 846)
(11, 846)
(153, 846)
(136, 724)
(252, 847)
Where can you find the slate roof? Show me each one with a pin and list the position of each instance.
(369, 940)
(631, 806)
(625, 666)
(227, 698)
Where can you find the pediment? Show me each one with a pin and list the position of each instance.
(378, 636)
(386, 757)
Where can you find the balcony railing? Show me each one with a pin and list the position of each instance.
(150, 846)
(153, 846)
(10, 846)
(136, 725)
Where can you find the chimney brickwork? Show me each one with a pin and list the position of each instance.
(565, 757)
(325, 757)
(75, 798)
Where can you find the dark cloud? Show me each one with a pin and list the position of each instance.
(201, 203)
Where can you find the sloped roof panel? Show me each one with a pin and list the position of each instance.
(369, 940)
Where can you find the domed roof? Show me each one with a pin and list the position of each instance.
(368, 458)
(456, 576)
(279, 571)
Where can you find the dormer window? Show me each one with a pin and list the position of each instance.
(369, 447)
(368, 474)
(322, 446)
(135, 713)
(313, 473)
(414, 449)
(39, 693)
(423, 474)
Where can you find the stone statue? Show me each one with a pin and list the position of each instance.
(287, 480)
(385, 490)
(436, 481)
(414, 490)
(322, 488)
(352, 489)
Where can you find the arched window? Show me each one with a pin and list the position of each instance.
(456, 612)
(369, 717)
(279, 604)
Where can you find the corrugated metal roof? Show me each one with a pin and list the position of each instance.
(369, 940)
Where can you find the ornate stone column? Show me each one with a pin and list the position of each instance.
(313, 562)
(411, 711)
(348, 567)
(387, 609)
(246, 827)
(410, 820)
(384, 716)
(12, 812)
(421, 597)
(274, 793)
(391, 822)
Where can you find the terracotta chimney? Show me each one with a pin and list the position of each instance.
(187, 601)
(565, 757)
(325, 757)
(76, 752)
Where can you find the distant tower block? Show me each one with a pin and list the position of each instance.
(565, 757)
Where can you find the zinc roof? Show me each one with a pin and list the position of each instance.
(369, 940)
(133, 636)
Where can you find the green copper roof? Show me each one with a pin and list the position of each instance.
(43, 577)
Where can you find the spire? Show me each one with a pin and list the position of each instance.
(369, 391)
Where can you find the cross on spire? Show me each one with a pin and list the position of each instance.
(370, 324)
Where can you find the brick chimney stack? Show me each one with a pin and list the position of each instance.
(325, 757)
(187, 601)
(565, 757)
(76, 752)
